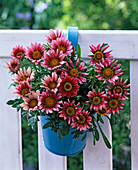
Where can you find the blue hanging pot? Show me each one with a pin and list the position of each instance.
(66, 147)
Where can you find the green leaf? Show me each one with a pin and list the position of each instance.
(76, 135)
(96, 134)
(73, 131)
(10, 102)
(18, 108)
(100, 119)
(78, 51)
(60, 135)
(104, 138)
(84, 136)
(47, 125)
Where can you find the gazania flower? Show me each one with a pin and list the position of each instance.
(83, 121)
(24, 75)
(99, 53)
(18, 52)
(101, 112)
(31, 102)
(50, 101)
(35, 53)
(76, 71)
(119, 87)
(23, 89)
(54, 35)
(69, 86)
(114, 103)
(69, 111)
(53, 60)
(60, 72)
(108, 70)
(62, 44)
(51, 83)
(97, 99)
(13, 66)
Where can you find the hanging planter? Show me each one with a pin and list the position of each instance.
(70, 96)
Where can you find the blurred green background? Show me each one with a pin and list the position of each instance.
(87, 15)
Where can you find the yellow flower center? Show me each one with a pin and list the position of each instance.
(23, 78)
(82, 119)
(118, 89)
(25, 91)
(67, 86)
(74, 72)
(108, 73)
(61, 48)
(113, 103)
(36, 55)
(54, 62)
(101, 112)
(19, 54)
(98, 56)
(33, 103)
(52, 85)
(50, 102)
(70, 111)
(96, 100)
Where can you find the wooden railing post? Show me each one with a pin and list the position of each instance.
(134, 113)
(10, 125)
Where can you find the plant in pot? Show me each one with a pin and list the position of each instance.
(70, 97)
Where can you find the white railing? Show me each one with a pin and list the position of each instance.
(124, 45)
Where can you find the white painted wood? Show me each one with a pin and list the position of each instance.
(10, 125)
(123, 43)
(134, 114)
(98, 157)
(48, 160)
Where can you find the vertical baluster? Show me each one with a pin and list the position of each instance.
(134, 114)
(48, 160)
(10, 125)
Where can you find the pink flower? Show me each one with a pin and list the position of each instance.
(24, 75)
(18, 52)
(13, 66)
(77, 70)
(69, 111)
(119, 87)
(62, 44)
(83, 121)
(108, 70)
(114, 103)
(35, 53)
(31, 102)
(50, 101)
(51, 83)
(53, 60)
(54, 35)
(23, 89)
(97, 99)
(99, 53)
(69, 86)
(60, 72)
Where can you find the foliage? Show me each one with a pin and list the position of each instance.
(103, 14)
